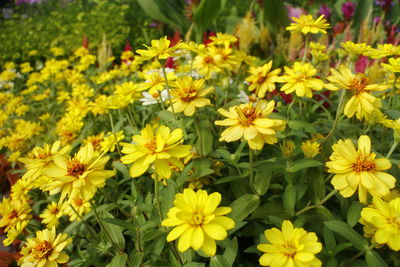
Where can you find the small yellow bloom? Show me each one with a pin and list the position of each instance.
(393, 66)
(51, 215)
(45, 249)
(290, 247)
(251, 122)
(301, 79)
(13, 211)
(381, 222)
(159, 49)
(198, 221)
(310, 149)
(306, 24)
(287, 148)
(263, 79)
(76, 207)
(359, 170)
(356, 48)
(223, 39)
(188, 95)
(110, 141)
(158, 146)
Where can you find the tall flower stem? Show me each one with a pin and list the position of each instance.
(305, 48)
(393, 147)
(167, 86)
(338, 113)
(251, 169)
(156, 197)
(325, 199)
(113, 132)
(395, 96)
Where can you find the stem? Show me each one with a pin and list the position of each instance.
(176, 254)
(92, 232)
(251, 170)
(157, 198)
(325, 199)
(199, 137)
(115, 135)
(394, 145)
(305, 49)
(168, 91)
(338, 113)
(115, 202)
(346, 263)
(395, 96)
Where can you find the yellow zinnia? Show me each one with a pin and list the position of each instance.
(189, 95)
(251, 122)
(198, 221)
(301, 79)
(362, 102)
(262, 79)
(158, 146)
(306, 24)
(159, 49)
(290, 247)
(45, 249)
(381, 222)
(359, 170)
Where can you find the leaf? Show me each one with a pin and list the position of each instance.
(183, 176)
(374, 259)
(218, 261)
(231, 251)
(261, 182)
(194, 264)
(348, 233)
(363, 11)
(354, 213)
(243, 207)
(118, 261)
(114, 231)
(206, 12)
(153, 9)
(205, 139)
(228, 179)
(303, 164)
(300, 125)
(289, 198)
(276, 15)
(121, 223)
(329, 238)
(324, 213)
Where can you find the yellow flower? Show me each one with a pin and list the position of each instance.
(13, 211)
(159, 49)
(188, 95)
(381, 222)
(80, 205)
(290, 247)
(51, 214)
(287, 148)
(14, 232)
(223, 39)
(205, 64)
(356, 48)
(306, 24)
(262, 79)
(198, 221)
(362, 102)
(310, 149)
(251, 122)
(359, 170)
(393, 66)
(384, 50)
(111, 140)
(45, 250)
(78, 176)
(300, 79)
(158, 146)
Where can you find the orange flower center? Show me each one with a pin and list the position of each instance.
(188, 94)
(75, 168)
(261, 79)
(208, 60)
(249, 115)
(289, 250)
(359, 83)
(54, 211)
(13, 214)
(151, 145)
(365, 165)
(78, 202)
(43, 250)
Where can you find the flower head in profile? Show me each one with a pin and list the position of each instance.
(155, 146)
(381, 222)
(306, 24)
(361, 102)
(189, 94)
(263, 79)
(393, 66)
(159, 49)
(359, 170)
(251, 122)
(290, 247)
(80, 175)
(300, 79)
(356, 48)
(310, 149)
(198, 221)
(45, 249)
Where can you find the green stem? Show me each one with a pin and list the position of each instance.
(394, 145)
(115, 135)
(325, 199)
(395, 95)
(115, 202)
(176, 254)
(168, 91)
(91, 231)
(348, 262)
(305, 49)
(157, 197)
(196, 126)
(338, 113)
(251, 169)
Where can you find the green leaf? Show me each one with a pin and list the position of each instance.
(206, 12)
(276, 15)
(228, 179)
(374, 259)
(118, 261)
(300, 125)
(136, 258)
(123, 224)
(205, 139)
(218, 261)
(348, 233)
(180, 181)
(324, 213)
(289, 198)
(262, 179)
(329, 238)
(303, 164)
(363, 12)
(114, 230)
(153, 9)
(194, 264)
(231, 251)
(243, 207)
(354, 213)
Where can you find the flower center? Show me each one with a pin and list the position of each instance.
(54, 211)
(198, 219)
(289, 250)
(151, 145)
(359, 83)
(247, 115)
(365, 165)
(261, 79)
(13, 214)
(188, 94)
(75, 168)
(208, 60)
(42, 250)
(78, 202)
(394, 221)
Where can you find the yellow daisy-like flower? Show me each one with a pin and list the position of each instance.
(356, 48)
(291, 247)
(262, 79)
(384, 50)
(159, 49)
(14, 232)
(362, 102)
(306, 24)
(13, 211)
(301, 79)
(45, 250)
(110, 141)
(52, 214)
(78, 176)
(393, 66)
(310, 149)
(198, 221)
(158, 146)
(75, 208)
(223, 39)
(381, 222)
(359, 170)
(189, 95)
(251, 122)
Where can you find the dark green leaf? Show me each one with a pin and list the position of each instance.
(114, 230)
(218, 261)
(243, 207)
(374, 259)
(354, 213)
(303, 164)
(262, 180)
(118, 261)
(348, 233)
(363, 12)
(289, 198)
(206, 12)
(231, 251)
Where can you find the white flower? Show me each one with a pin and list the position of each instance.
(149, 99)
(243, 97)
